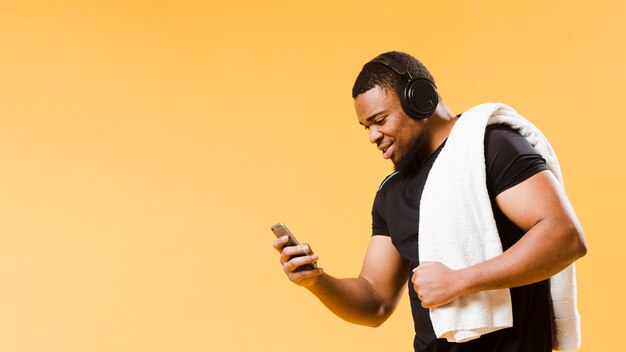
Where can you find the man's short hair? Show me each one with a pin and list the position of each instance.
(374, 74)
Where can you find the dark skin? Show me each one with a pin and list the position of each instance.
(553, 239)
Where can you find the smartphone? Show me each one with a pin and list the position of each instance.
(281, 230)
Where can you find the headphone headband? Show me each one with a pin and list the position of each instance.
(398, 67)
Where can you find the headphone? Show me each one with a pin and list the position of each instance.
(419, 97)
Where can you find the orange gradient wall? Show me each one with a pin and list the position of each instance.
(146, 147)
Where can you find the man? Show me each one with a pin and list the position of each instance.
(539, 231)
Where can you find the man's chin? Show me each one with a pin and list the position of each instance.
(409, 160)
(404, 162)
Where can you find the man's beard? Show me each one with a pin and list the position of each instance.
(413, 156)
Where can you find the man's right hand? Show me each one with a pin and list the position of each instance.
(293, 257)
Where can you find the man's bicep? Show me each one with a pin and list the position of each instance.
(384, 268)
(537, 198)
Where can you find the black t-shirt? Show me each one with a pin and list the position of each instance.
(510, 160)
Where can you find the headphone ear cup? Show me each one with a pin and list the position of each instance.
(420, 98)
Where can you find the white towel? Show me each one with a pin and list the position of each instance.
(457, 228)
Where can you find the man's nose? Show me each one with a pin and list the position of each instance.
(375, 134)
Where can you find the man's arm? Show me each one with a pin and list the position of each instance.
(553, 240)
(365, 300)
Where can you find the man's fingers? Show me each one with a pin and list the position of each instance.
(289, 252)
(292, 264)
(280, 242)
(293, 258)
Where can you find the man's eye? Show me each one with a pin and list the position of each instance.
(377, 122)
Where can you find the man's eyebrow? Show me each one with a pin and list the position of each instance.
(373, 117)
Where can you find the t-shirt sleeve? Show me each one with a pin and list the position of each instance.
(379, 225)
(510, 159)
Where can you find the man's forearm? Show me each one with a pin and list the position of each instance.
(537, 256)
(353, 299)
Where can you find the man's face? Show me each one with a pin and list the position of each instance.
(398, 137)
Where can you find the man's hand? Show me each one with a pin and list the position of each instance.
(436, 284)
(293, 257)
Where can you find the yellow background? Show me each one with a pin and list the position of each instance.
(147, 146)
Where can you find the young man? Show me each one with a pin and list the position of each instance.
(539, 231)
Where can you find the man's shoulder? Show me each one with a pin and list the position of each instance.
(500, 137)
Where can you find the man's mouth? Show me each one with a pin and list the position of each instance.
(387, 150)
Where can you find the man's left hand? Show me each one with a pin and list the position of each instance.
(436, 284)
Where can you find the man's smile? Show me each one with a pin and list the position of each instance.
(387, 149)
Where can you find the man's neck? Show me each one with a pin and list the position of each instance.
(440, 125)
